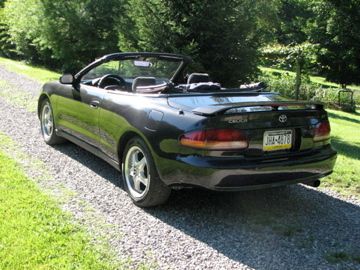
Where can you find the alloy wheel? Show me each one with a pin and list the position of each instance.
(47, 122)
(137, 174)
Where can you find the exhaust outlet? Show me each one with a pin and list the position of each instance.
(315, 183)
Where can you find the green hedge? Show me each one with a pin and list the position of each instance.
(284, 83)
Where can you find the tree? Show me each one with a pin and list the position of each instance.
(336, 29)
(293, 50)
(298, 57)
(6, 47)
(68, 32)
(220, 35)
(20, 19)
(293, 18)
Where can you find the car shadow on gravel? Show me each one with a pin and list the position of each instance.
(94, 163)
(292, 227)
(282, 228)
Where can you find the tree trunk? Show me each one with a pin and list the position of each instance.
(298, 78)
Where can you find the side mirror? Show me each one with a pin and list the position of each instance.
(67, 79)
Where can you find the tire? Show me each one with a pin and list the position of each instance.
(140, 177)
(48, 125)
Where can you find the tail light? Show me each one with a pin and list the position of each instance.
(322, 131)
(215, 139)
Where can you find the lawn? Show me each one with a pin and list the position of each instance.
(36, 234)
(315, 79)
(346, 140)
(39, 74)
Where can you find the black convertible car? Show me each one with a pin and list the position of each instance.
(164, 128)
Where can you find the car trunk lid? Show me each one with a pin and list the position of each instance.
(273, 125)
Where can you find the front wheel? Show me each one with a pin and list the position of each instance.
(48, 124)
(140, 177)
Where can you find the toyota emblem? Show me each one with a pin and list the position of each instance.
(282, 118)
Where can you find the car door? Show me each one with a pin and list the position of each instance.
(78, 112)
(80, 106)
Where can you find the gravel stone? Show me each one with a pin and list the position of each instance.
(294, 227)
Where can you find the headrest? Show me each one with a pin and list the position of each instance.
(198, 78)
(204, 87)
(143, 81)
(253, 86)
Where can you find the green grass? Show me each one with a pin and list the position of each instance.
(341, 256)
(16, 97)
(39, 74)
(346, 140)
(315, 79)
(36, 234)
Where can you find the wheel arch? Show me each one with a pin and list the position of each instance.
(123, 141)
(42, 97)
(158, 191)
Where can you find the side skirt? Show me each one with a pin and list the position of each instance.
(89, 148)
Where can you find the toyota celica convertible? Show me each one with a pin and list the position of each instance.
(166, 128)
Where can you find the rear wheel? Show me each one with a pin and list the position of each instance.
(140, 176)
(48, 124)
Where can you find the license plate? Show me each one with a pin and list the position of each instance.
(277, 140)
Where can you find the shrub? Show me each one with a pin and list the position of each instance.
(285, 56)
(284, 83)
(219, 35)
(6, 46)
(63, 34)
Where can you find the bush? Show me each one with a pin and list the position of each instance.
(63, 34)
(7, 48)
(219, 35)
(285, 56)
(284, 83)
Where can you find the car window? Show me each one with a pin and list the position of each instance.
(111, 67)
(161, 69)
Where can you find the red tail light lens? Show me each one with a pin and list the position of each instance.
(215, 139)
(322, 131)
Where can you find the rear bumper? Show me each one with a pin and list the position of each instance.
(231, 174)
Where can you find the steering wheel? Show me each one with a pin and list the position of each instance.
(104, 81)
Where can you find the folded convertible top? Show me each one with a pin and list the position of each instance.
(278, 105)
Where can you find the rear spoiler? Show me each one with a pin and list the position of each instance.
(218, 109)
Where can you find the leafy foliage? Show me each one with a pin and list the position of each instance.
(293, 16)
(333, 26)
(284, 83)
(336, 28)
(6, 47)
(301, 56)
(22, 18)
(284, 56)
(69, 32)
(217, 34)
(223, 37)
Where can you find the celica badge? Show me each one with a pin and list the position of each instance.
(236, 119)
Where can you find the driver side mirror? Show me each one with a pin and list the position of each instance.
(67, 79)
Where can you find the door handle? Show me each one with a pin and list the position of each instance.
(94, 104)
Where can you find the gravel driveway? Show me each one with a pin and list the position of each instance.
(294, 227)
